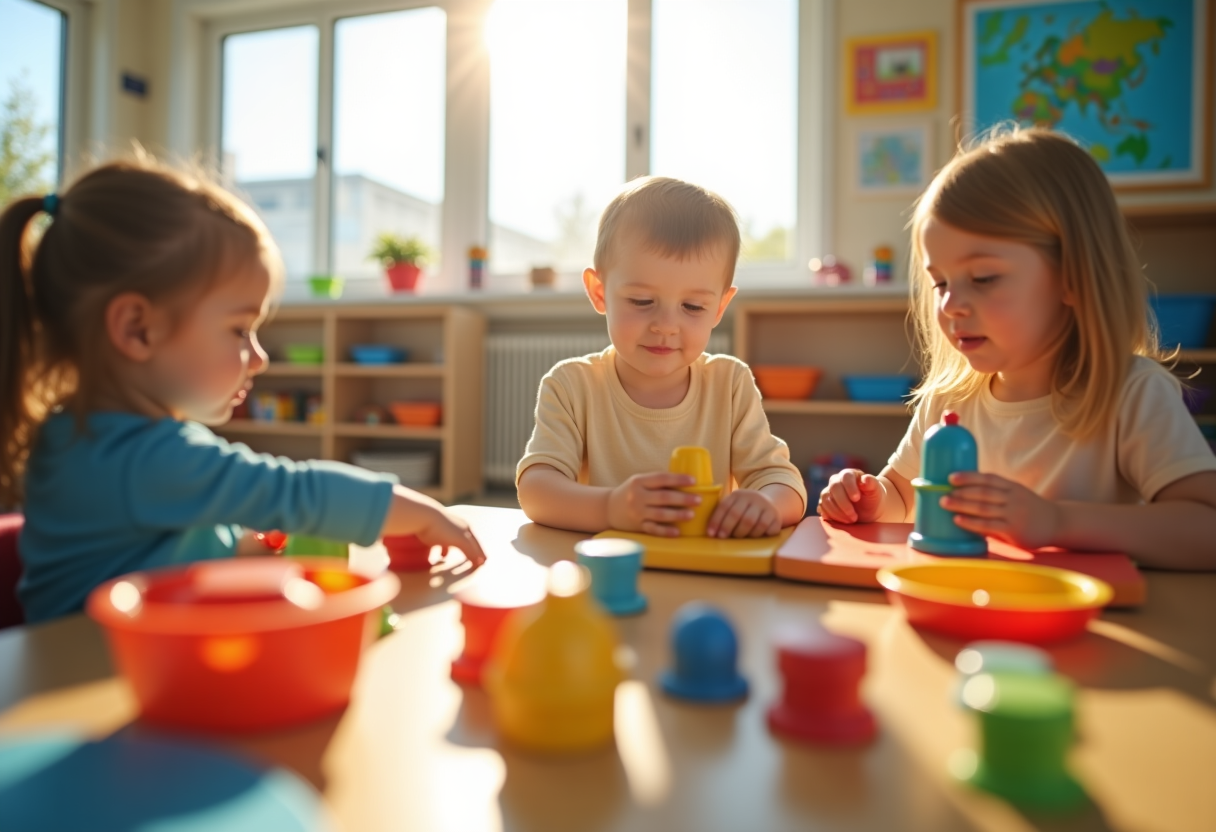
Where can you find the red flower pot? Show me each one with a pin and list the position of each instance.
(403, 277)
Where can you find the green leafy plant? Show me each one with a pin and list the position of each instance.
(393, 248)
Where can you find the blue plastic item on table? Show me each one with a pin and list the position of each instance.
(1184, 320)
(948, 448)
(878, 388)
(614, 564)
(706, 654)
(60, 781)
(377, 354)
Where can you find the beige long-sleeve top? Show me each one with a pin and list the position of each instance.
(588, 428)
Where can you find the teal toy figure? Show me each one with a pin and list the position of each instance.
(948, 447)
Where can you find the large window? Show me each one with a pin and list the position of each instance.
(338, 120)
(388, 133)
(557, 128)
(32, 60)
(724, 109)
(270, 134)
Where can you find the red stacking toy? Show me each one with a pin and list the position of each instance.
(483, 609)
(406, 553)
(820, 702)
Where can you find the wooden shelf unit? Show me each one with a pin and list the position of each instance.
(841, 336)
(446, 345)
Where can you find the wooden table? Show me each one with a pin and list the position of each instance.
(416, 752)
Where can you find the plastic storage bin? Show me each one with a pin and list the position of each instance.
(1184, 320)
(878, 388)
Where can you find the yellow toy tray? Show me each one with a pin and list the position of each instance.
(734, 556)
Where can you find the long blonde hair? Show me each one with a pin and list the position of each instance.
(128, 226)
(1039, 188)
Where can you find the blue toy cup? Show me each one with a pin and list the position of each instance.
(706, 652)
(614, 564)
(948, 447)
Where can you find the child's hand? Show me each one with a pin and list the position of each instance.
(650, 503)
(744, 513)
(852, 496)
(991, 505)
(417, 514)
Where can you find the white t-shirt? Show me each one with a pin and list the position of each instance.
(1152, 442)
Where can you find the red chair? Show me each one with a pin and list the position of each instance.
(11, 613)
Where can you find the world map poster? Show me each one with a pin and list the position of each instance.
(1127, 78)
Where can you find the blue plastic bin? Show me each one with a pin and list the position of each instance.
(377, 354)
(1184, 320)
(878, 388)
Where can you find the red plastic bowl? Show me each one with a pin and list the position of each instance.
(241, 645)
(995, 599)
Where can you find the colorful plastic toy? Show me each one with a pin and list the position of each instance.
(948, 448)
(695, 462)
(705, 651)
(305, 545)
(819, 701)
(484, 606)
(1025, 731)
(614, 564)
(999, 657)
(554, 669)
(406, 553)
(241, 645)
(991, 599)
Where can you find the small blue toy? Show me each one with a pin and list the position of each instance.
(614, 564)
(949, 447)
(706, 652)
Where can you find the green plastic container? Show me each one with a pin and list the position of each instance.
(303, 545)
(326, 286)
(304, 353)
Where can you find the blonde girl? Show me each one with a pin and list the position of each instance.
(125, 327)
(1030, 307)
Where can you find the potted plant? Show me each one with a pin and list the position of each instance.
(402, 258)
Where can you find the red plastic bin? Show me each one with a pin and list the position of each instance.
(245, 658)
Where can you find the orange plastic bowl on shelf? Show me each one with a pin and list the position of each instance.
(777, 382)
(417, 414)
(238, 645)
(993, 599)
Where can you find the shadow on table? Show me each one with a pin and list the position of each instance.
(559, 793)
(45, 657)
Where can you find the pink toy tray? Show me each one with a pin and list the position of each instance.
(825, 553)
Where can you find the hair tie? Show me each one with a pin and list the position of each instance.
(50, 204)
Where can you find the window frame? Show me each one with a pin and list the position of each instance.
(199, 30)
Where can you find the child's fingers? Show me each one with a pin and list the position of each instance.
(843, 504)
(472, 549)
(988, 526)
(730, 518)
(671, 497)
(848, 481)
(666, 515)
(659, 529)
(867, 484)
(828, 509)
(747, 521)
(665, 480)
(972, 508)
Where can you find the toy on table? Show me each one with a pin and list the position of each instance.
(614, 564)
(241, 644)
(695, 462)
(819, 701)
(705, 651)
(484, 606)
(1025, 732)
(554, 669)
(948, 448)
(878, 271)
(992, 599)
(998, 657)
(407, 553)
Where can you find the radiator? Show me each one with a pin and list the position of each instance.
(515, 365)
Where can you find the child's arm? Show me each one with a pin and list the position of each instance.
(853, 496)
(1174, 531)
(412, 513)
(645, 502)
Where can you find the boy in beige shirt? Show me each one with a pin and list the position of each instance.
(606, 423)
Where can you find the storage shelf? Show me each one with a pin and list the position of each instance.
(420, 370)
(387, 431)
(1198, 356)
(271, 428)
(282, 368)
(835, 408)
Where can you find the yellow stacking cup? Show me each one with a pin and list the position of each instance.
(696, 463)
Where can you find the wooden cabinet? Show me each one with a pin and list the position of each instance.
(445, 346)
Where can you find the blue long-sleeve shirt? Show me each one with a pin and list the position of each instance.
(130, 493)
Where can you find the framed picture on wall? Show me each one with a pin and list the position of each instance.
(892, 159)
(1130, 79)
(891, 73)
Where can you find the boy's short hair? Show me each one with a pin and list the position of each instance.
(672, 218)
